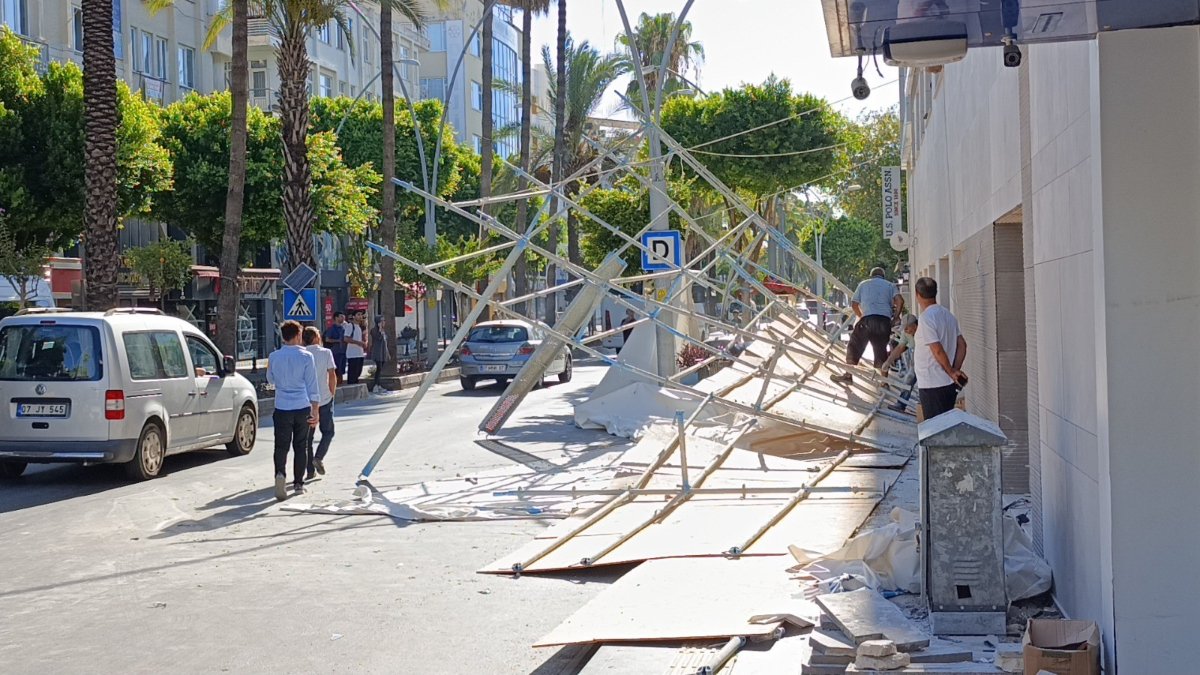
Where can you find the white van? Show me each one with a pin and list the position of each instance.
(612, 313)
(128, 386)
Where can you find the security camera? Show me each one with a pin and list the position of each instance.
(860, 88)
(1012, 55)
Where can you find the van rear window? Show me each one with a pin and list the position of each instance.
(60, 353)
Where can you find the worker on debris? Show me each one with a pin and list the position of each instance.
(940, 353)
(875, 302)
(906, 345)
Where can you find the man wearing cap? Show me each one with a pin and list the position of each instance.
(875, 302)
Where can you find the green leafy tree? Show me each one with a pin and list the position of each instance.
(20, 263)
(850, 247)
(42, 177)
(873, 142)
(164, 266)
(627, 208)
(195, 131)
(802, 148)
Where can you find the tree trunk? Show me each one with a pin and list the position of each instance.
(520, 269)
(387, 266)
(229, 301)
(101, 118)
(297, 175)
(486, 149)
(573, 238)
(560, 114)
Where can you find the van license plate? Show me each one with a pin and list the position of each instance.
(41, 410)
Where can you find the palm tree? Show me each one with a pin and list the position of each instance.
(387, 226)
(485, 150)
(228, 302)
(101, 118)
(528, 9)
(559, 150)
(651, 37)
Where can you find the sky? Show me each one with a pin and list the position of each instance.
(744, 41)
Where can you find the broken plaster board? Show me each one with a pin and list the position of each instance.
(864, 615)
(664, 600)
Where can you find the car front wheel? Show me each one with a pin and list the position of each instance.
(151, 450)
(10, 470)
(244, 434)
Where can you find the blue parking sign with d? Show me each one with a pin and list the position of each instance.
(667, 249)
(300, 305)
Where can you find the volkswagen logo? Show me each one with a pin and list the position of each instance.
(41, 390)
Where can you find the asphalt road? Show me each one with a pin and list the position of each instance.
(200, 571)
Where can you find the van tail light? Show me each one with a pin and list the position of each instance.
(464, 351)
(114, 404)
(525, 350)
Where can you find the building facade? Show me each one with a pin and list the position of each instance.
(448, 32)
(1056, 205)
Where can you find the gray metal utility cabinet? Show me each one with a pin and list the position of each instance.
(962, 518)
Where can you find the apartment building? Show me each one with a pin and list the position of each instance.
(448, 33)
(163, 54)
(1056, 205)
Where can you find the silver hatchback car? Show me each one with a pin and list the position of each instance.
(497, 350)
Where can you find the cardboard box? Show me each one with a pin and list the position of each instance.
(1062, 647)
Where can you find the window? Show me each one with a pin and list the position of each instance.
(203, 356)
(147, 53)
(342, 88)
(503, 12)
(135, 43)
(475, 45)
(160, 58)
(155, 356)
(436, 32)
(16, 16)
(326, 89)
(476, 95)
(365, 46)
(77, 29)
(339, 37)
(323, 32)
(499, 334)
(433, 87)
(187, 67)
(258, 83)
(478, 144)
(50, 353)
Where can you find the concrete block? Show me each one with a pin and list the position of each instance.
(968, 623)
(877, 648)
(890, 662)
(1010, 657)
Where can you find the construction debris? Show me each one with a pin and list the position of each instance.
(864, 615)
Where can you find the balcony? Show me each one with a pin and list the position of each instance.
(264, 99)
(261, 33)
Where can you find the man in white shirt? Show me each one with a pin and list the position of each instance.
(327, 373)
(940, 352)
(356, 348)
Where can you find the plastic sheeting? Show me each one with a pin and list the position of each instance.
(888, 559)
(629, 411)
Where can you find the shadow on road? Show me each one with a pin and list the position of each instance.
(50, 483)
(232, 509)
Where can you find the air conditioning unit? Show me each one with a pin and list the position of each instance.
(924, 43)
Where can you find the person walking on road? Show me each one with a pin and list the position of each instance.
(327, 379)
(335, 337)
(356, 348)
(380, 353)
(940, 352)
(875, 302)
(297, 405)
(625, 334)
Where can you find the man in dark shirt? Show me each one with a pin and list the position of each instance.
(334, 336)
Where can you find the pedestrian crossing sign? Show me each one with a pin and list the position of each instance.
(300, 305)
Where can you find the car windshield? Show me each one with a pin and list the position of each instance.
(499, 334)
(50, 353)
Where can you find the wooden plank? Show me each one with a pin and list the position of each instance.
(865, 615)
(664, 600)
